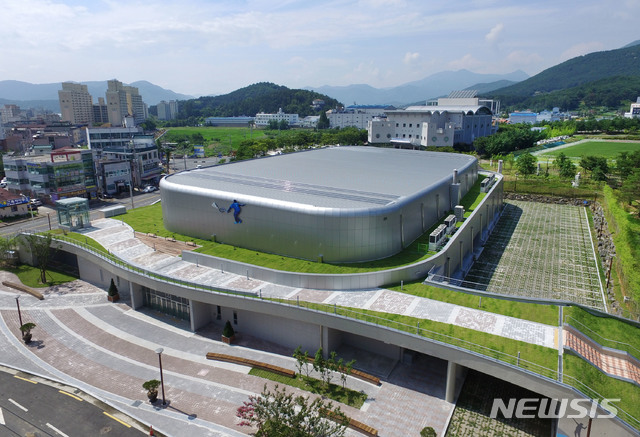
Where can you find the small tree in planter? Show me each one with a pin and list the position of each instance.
(26, 331)
(151, 387)
(228, 334)
(112, 293)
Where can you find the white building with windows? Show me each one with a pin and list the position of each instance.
(452, 121)
(634, 110)
(262, 119)
(357, 116)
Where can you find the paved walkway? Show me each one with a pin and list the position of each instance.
(108, 349)
(119, 239)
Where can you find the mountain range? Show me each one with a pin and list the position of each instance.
(435, 85)
(606, 78)
(29, 95)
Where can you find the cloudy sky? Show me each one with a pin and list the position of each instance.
(201, 47)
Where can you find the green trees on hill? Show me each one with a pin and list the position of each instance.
(259, 97)
(607, 78)
(508, 139)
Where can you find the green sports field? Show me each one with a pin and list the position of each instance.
(606, 149)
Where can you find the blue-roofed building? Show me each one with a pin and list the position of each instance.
(242, 121)
(523, 117)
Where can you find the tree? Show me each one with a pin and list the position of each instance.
(7, 245)
(565, 166)
(319, 363)
(279, 413)
(149, 125)
(40, 248)
(526, 164)
(302, 360)
(323, 121)
(272, 125)
(630, 189)
(597, 165)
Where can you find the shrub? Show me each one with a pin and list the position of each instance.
(113, 290)
(428, 431)
(151, 385)
(27, 327)
(228, 331)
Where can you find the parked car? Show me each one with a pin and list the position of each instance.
(149, 189)
(36, 202)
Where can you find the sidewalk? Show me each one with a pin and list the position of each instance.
(108, 349)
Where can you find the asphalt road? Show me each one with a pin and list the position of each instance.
(26, 408)
(47, 218)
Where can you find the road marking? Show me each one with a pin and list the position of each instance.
(18, 405)
(57, 430)
(70, 395)
(1, 417)
(116, 419)
(25, 379)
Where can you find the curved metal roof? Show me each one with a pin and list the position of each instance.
(463, 109)
(337, 177)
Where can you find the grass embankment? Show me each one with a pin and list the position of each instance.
(148, 219)
(607, 331)
(604, 386)
(625, 230)
(546, 314)
(344, 395)
(59, 233)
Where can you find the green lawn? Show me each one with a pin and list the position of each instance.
(606, 149)
(217, 139)
(335, 392)
(546, 314)
(30, 276)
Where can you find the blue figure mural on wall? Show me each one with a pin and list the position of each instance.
(237, 208)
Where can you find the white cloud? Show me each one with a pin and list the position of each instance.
(467, 62)
(494, 33)
(582, 49)
(411, 58)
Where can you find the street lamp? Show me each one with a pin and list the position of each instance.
(159, 352)
(19, 313)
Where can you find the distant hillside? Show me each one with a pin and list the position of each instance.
(260, 97)
(435, 85)
(491, 86)
(49, 105)
(21, 93)
(624, 62)
(611, 92)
